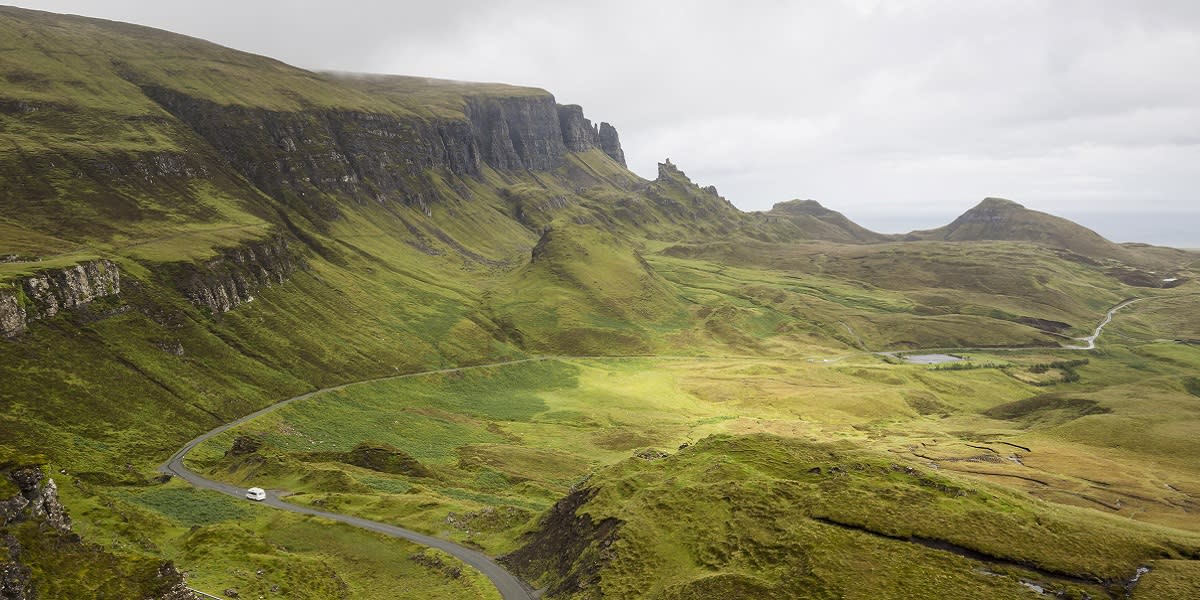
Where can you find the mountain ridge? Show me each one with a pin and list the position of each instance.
(275, 231)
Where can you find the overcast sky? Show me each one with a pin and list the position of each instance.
(899, 113)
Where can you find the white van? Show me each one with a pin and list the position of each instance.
(256, 494)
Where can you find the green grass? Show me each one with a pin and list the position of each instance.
(586, 260)
(189, 506)
(751, 515)
(599, 412)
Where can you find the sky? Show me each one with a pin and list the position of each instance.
(900, 113)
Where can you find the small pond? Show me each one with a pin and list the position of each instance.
(930, 359)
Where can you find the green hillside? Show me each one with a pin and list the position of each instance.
(190, 233)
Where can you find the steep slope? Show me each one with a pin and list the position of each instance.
(586, 291)
(93, 141)
(815, 222)
(190, 233)
(40, 556)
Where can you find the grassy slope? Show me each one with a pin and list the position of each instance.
(392, 289)
(503, 443)
(750, 516)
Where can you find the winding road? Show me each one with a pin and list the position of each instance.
(1091, 339)
(509, 586)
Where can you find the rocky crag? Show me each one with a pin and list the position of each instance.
(45, 294)
(33, 519)
(579, 135)
(567, 550)
(231, 279)
(313, 159)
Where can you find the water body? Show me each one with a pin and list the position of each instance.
(931, 359)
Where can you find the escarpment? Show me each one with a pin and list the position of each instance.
(231, 279)
(517, 133)
(45, 294)
(312, 157)
(577, 131)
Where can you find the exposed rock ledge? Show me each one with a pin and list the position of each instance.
(231, 279)
(45, 294)
(36, 501)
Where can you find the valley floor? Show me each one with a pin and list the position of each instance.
(497, 444)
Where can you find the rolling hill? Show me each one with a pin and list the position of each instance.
(190, 233)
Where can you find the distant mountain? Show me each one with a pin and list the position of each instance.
(816, 222)
(1000, 219)
(189, 234)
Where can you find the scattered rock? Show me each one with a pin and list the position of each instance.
(171, 584)
(650, 454)
(15, 578)
(245, 444)
(489, 519)
(170, 347)
(231, 592)
(386, 459)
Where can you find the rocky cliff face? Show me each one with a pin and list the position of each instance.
(610, 143)
(580, 135)
(577, 131)
(36, 502)
(302, 157)
(568, 548)
(15, 578)
(231, 279)
(47, 293)
(313, 158)
(517, 133)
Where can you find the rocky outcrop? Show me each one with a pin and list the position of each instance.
(171, 585)
(231, 279)
(568, 549)
(578, 133)
(610, 143)
(313, 157)
(517, 133)
(668, 171)
(34, 518)
(34, 501)
(301, 157)
(49, 292)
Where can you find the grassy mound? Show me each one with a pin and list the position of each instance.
(762, 516)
